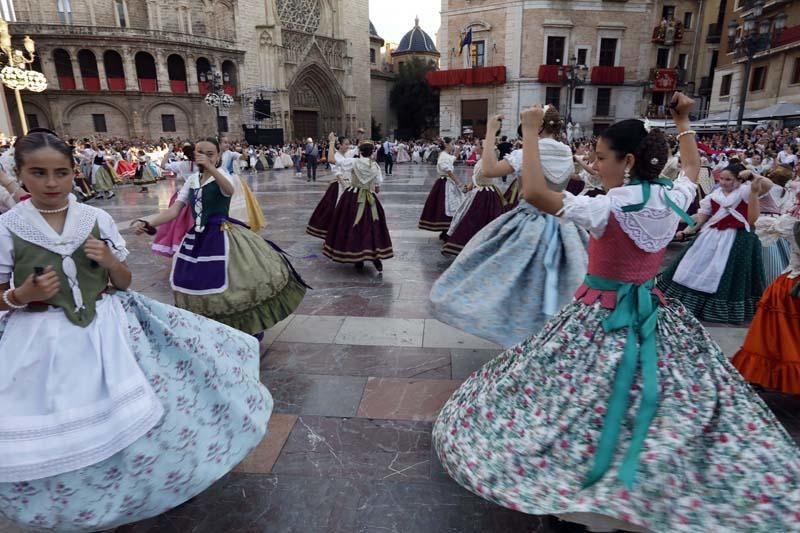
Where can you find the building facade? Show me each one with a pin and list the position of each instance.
(775, 69)
(384, 120)
(634, 52)
(139, 68)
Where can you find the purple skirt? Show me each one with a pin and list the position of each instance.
(323, 214)
(368, 240)
(487, 206)
(512, 195)
(434, 216)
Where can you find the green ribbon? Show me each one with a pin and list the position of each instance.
(636, 310)
(365, 196)
(646, 186)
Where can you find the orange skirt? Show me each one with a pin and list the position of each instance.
(770, 356)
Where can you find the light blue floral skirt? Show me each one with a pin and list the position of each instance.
(512, 276)
(216, 410)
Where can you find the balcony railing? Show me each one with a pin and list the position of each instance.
(62, 30)
(608, 75)
(668, 32)
(478, 76)
(714, 34)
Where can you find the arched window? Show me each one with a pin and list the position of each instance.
(229, 77)
(176, 68)
(88, 64)
(203, 68)
(146, 72)
(63, 63)
(115, 70)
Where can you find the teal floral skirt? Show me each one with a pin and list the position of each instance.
(523, 430)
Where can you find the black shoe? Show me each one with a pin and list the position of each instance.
(360, 266)
(443, 236)
(259, 336)
(378, 265)
(309, 180)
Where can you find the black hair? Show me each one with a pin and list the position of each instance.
(503, 138)
(366, 149)
(340, 141)
(735, 168)
(650, 149)
(212, 140)
(36, 139)
(519, 131)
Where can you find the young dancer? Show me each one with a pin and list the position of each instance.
(116, 408)
(445, 196)
(342, 157)
(622, 413)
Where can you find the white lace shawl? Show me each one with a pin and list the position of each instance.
(557, 163)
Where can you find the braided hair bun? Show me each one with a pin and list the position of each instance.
(652, 155)
(553, 124)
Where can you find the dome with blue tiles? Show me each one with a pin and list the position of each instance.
(416, 41)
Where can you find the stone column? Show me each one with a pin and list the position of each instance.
(49, 68)
(131, 79)
(76, 69)
(101, 70)
(189, 28)
(191, 75)
(162, 72)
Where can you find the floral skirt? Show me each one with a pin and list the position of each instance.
(523, 430)
(770, 356)
(485, 206)
(323, 214)
(739, 289)
(206, 376)
(351, 242)
(434, 214)
(523, 260)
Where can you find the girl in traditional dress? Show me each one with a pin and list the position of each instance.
(445, 196)
(286, 158)
(169, 236)
(125, 169)
(524, 260)
(116, 407)
(720, 276)
(770, 356)
(223, 270)
(147, 173)
(278, 162)
(402, 153)
(358, 231)
(103, 177)
(482, 204)
(775, 253)
(342, 156)
(416, 157)
(622, 413)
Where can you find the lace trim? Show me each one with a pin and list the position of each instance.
(80, 222)
(650, 229)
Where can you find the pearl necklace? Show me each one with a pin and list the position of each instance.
(52, 211)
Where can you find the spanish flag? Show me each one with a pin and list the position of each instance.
(466, 40)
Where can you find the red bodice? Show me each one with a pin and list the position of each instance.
(729, 222)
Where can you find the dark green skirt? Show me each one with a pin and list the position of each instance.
(739, 289)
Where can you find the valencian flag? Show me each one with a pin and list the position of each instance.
(466, 40)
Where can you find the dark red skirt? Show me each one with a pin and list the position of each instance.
(512, 195)
(321, 218)
(486, 207)
(434, 216)
(366, 241)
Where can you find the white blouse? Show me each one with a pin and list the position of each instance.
(651, 228)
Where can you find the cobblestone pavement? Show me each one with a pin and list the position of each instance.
(358, 375)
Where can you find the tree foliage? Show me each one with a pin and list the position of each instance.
(415, 103)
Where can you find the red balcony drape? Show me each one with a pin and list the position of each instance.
(148, 85)
(116, 84)
(548, 74)
(66, 83)
(230, 89)
(91, 84)
(178, 86)
(788, 35)
(203, 87)
(608, 75)
(467, 76)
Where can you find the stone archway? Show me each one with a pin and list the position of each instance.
(316, 103)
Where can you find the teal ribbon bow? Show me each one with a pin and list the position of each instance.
(636, 310)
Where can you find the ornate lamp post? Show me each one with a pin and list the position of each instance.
(750, 42)
(572, 75)
(216, 96)
(17, 74)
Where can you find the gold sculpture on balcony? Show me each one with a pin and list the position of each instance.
(668, 32)
(17, 74)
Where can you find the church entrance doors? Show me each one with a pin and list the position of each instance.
(306, 124)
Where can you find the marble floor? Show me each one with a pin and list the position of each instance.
(358, 375)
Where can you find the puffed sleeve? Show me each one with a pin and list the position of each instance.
(589, 213)
(185, 194)
(744, 191)
(6, 254)
(446, 164)
(684, 192)
(110, 234)
(771, 229)
(515, 160)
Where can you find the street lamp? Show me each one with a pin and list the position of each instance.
(572, 75)
(748, 44)
(216, 97)
(14, 75)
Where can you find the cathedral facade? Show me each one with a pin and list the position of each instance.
(141, 68)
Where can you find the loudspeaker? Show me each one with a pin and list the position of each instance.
(262, 109)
